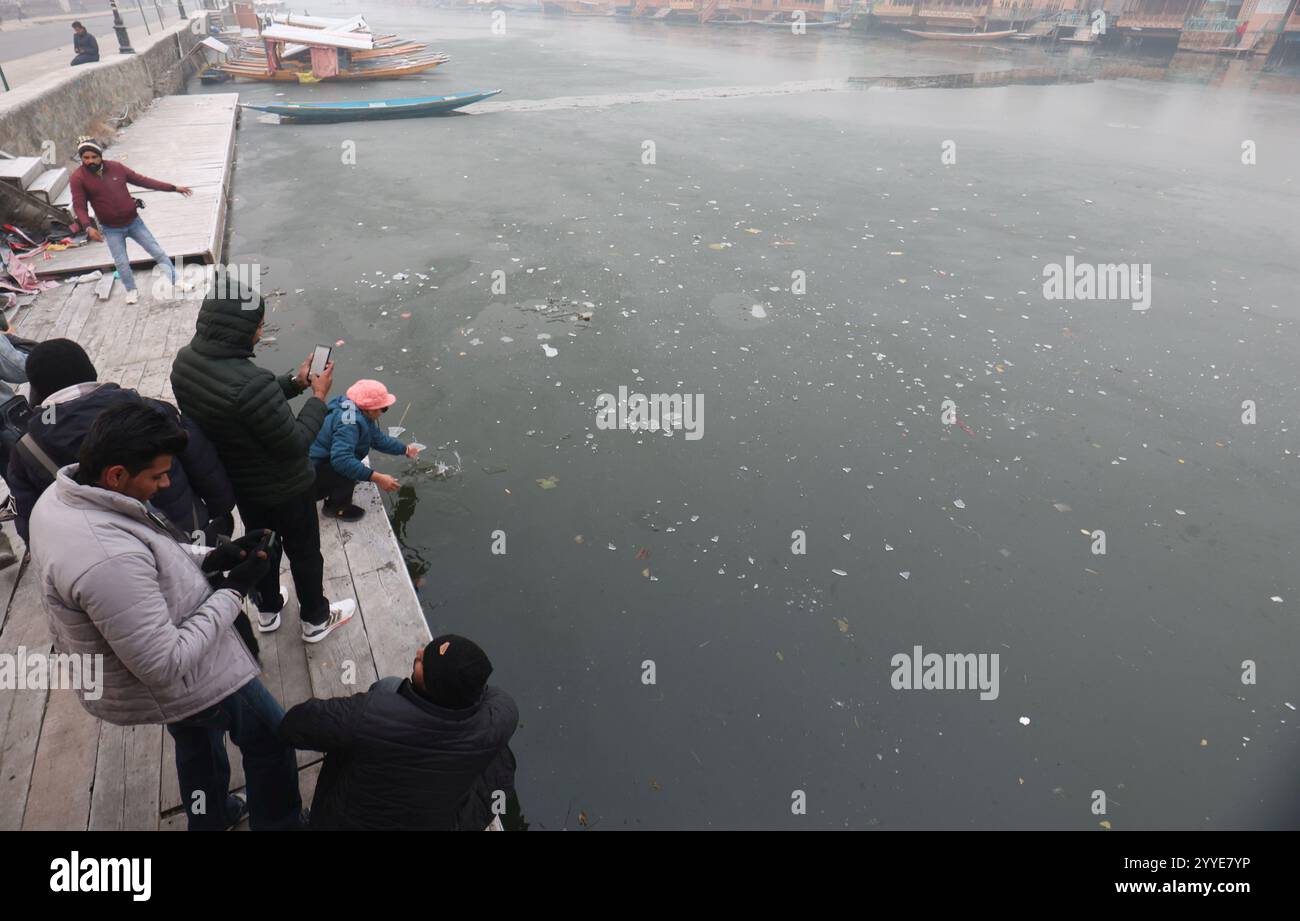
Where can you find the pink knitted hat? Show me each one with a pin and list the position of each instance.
(369, 394)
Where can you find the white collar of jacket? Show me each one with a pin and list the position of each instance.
(75, 495)
(74, 392)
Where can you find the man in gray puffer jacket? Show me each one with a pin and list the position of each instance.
(119, 581)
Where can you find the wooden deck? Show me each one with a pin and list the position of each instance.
(185, 140)
(62, 769)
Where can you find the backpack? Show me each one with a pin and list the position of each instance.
(15, 413)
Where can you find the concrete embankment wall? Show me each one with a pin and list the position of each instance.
(61, 106)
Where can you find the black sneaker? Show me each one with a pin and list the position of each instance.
(343, 512)
(236, 810)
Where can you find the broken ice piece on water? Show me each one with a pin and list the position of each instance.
(611, 546)
(839, 572)
(906, 575)
(420, 447)
(757, 312)
(1024, 721)
(550, 351)
(1276, 599)
(395, 430)
(959, 503)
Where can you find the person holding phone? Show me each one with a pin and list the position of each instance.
(350, 432)
(244, 410)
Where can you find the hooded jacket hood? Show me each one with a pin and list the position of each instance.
(227, 323)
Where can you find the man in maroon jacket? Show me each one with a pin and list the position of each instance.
(103, 183)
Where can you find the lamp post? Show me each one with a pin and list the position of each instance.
(123, 40)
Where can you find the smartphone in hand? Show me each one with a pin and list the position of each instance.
(319, 359)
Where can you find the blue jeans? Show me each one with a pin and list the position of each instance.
(251, 716)
(116, 237)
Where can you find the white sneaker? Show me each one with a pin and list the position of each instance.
(270, 622)
(132, 297)
(340, 613)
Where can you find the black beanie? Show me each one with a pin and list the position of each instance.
(455, 671)
(55, 364)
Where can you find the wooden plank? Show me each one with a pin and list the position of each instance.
(395, 624)
(346, 653)
(80, 300)
(143, 767)
(64, 770)
(21, 712)
(36, 321)
(284, 658)
(108, 796)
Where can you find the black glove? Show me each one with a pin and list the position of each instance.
(247, 574)
(233, 553)
(244, 627)
(219, 529)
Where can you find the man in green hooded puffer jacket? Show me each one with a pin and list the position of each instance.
(244, 410)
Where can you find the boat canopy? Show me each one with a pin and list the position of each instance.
(354, 41)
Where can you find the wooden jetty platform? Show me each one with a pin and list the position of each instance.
(185, 140)
(61, 769)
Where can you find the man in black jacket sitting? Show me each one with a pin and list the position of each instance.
(84, 44)
(430, 752)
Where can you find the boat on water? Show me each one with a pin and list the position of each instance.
(306, 49)
(785, 20)
(578, 7)
(370, 109)
(962, 36)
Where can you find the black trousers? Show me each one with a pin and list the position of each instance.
(332, 486)
(298, 528)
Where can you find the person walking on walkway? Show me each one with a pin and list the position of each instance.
(118, 581)
(103, 183)
(85, 45)
(244, 410)
(350, 431)
(430, 752)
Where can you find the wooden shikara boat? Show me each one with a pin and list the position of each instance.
(577, 8)
(962, 36)
(294, 72)
(371, 109)
(784, 20)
